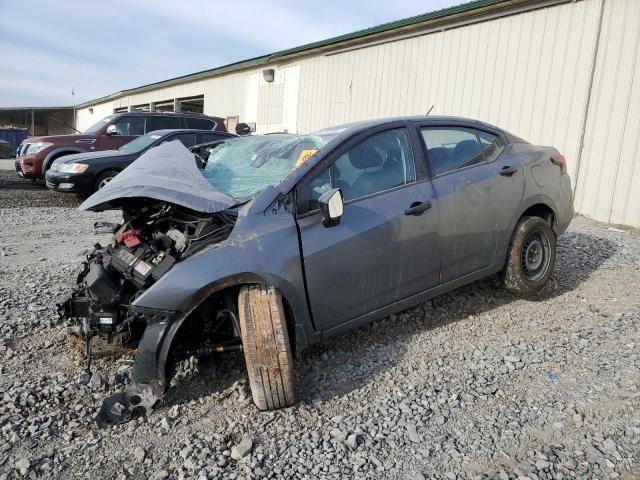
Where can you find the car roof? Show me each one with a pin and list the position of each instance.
(351, 128)
(154, 113)
(166, 131)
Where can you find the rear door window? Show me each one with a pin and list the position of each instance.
(491, 144)
(130, 126)
(161, 123)
(200, 123)
(451, 148)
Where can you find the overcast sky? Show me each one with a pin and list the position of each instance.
(101, 47)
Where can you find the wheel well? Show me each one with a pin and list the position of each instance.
(206, 313)
(543, 211)
(98, 175)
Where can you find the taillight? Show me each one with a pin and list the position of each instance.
(560, 161)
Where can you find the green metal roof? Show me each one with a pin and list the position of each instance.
(360, 34)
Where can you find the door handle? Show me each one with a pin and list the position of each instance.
(508, 170)
(417, 208)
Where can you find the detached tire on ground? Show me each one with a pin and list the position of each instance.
(531, 257)
(266, 346)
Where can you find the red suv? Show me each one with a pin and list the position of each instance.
(36, 154)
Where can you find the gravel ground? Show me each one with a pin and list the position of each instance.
(474, 384)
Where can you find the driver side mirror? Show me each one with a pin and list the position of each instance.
(331, 207)
(112, 130)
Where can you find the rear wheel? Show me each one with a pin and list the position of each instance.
(531, 257)
(103, 179)
(266, 346)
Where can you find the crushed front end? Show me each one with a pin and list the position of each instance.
(152, 239)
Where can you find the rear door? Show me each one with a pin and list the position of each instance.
(479, 189)
(160, 122)
(380, 252)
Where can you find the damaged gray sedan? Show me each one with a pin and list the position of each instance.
(282, 241)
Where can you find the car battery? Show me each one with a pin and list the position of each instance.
(131, 265)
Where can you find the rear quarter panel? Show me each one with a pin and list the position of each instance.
(544, 183)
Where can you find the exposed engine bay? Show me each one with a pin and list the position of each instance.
(153, 237)
(145, 247)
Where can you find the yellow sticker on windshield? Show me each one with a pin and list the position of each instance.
(304, 156)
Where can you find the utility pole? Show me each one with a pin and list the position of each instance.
(73, 102)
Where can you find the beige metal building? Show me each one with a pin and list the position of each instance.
(556, 72)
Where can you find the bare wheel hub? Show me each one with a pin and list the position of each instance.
(535, 256)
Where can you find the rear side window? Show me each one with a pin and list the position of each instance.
(491, 145)
(130, 126)
(161, 123)
(451, 148)
(200, 123)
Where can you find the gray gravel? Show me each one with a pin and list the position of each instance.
(474, 384)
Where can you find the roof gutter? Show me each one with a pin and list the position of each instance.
(452, 25)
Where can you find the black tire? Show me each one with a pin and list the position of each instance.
(531, 257)
(103, 179)
(267, 351)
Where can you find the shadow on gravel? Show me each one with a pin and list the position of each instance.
(351, 361)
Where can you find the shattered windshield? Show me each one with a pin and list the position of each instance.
(242, 167)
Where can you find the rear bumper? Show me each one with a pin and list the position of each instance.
(69, 183)
(564, 205)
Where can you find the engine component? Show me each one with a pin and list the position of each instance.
(129, 238)
(178, 237)
(100, 284)
(131, 265)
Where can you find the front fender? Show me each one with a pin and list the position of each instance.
(261, 249)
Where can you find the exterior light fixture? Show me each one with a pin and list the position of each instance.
(268, 75)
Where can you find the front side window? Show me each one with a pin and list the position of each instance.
(211, 137)
(130, 126)
(451, 148)
(187, 139)
(378, 163)
(162, 123)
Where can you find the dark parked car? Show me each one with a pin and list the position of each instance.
(86, 173)
(37, 154)
(283, 241)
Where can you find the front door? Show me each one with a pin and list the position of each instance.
(479, 189)
(127, 128)
(386, 246)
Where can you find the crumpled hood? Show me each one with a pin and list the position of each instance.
(168, 173)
